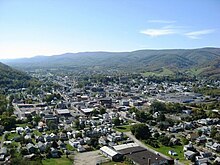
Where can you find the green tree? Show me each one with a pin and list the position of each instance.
(157, 106)
(52, 125)
(102, 111)
(37, 118)
(199, 132)
(8, 122)
(161, 117)
(140, 131)
(165, 140)
(116, 121)
(213, 132)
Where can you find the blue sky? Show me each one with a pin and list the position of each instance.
(49, 27)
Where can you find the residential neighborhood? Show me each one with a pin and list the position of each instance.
(75, 116)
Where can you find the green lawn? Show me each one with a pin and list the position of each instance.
(69, 147)
(178, 149)
(11, 135)
(123, 128)
(23, 125)
(36, 132)
(58, 161)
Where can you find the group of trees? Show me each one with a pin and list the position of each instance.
(100, 111)
(215, 134)
(8, 121)
(141, 116)
(141, 131)
(211, 91)
(157, 106)
(51, 97)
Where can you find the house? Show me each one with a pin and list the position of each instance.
(31, 148)
(188, 147)
(3, 153)
(202, 161)
(173, 153)
(201, 140)
(41, 146)
(188, 111)
(110, 153)
(217, 160)
(80, 148)
(54, 153)
(47, 138)
(216, 147)
(69, 135)
(27, 137)
(175, 141)
(206, 154)
(61, 145)
(19, 130)
(63, 136)
(74, 143)
(189, 155)
(7, 142)
(40, 138)
(188, 125)
(102, 140)
(192, 136)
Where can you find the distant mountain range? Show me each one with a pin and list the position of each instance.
(202, 61)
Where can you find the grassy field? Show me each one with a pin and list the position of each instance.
(58, 161)
(123, 128)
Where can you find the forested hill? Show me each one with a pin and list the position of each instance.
(11, 78)
(202, 61)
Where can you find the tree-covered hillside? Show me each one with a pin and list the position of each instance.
(11, 78)
(174, 60)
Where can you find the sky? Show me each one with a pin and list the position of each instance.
(50, 27)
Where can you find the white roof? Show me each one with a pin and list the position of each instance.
(188, 153)
(87, 110)
(108, 151)
(62, 111)
(125, 146)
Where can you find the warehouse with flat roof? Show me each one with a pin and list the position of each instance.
(111, 154)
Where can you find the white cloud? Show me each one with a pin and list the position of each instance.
(199, 33)
(161, 21)
(159, 32)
